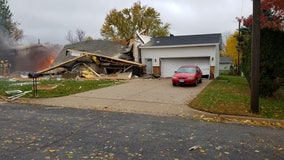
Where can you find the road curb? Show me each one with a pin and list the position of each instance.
(213, 117)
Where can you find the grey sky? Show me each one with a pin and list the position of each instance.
(50, 20)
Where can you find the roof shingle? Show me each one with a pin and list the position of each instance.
(104, 47)
(185, 40)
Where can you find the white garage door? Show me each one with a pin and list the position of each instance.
(170, 65)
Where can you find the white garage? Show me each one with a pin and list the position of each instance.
(163, 55)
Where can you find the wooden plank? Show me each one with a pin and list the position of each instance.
(110, 58)
(127, 68)
(59, 65)
(91, 70)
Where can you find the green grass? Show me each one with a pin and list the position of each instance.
(64, 87)
(231, 95)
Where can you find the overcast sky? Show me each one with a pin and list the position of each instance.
(50, 20)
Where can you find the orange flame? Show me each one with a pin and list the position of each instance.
(51, 60)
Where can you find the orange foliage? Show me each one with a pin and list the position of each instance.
(272, 15)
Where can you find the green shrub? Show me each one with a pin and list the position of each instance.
(271, 60)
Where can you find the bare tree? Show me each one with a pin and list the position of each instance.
(79, 36)
(70, 37)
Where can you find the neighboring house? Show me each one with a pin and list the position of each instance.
(225, 64)
(163, 55)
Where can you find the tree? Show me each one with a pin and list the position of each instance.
(271, 49)
(8, 27)
(89, 38)
(271, 61)
(79, 36)
(122, 25)
(272, 15)
(70, 37)
(231, 48)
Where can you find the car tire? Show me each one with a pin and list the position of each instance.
(174, 84)
(200, 81)
(196, 82)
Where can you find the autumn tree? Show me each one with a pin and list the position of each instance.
(8, 28)
(89, 38)
(271, 47)
(231, 48)
(272, 15)
(122, 25)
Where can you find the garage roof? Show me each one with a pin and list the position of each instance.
(201, 39)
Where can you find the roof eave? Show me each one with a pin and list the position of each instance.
(178, 46)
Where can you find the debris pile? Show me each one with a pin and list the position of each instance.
(92, 65)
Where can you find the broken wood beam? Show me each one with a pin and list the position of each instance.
(91, 70)
(127, 68)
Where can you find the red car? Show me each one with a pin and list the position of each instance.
(190, 74)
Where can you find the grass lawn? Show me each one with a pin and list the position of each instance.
(231, 95)
(54, 88)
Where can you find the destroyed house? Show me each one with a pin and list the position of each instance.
(94, 57)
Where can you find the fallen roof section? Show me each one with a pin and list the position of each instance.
(88, 57)
(103, 47)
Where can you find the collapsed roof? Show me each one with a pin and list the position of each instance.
(100, 57)
(87, 57)
(103, 47)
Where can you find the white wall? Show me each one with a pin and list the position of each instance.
(156, 53)
(217, 61)
(224, 67)
(177, 52)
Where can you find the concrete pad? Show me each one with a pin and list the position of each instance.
(146, 96)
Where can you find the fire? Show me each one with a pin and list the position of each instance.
(51, 60)
(45, 62)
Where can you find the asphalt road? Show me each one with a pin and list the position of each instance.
(49, 133)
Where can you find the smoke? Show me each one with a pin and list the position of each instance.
(34, 58)
(3, 39)
(30, 58)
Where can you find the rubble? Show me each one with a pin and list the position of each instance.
(92, 65)
(13, 92)
(19, 95)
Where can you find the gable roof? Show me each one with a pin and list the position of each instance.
(103, 47)
(185, 40)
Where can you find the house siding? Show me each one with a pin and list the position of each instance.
(156, 53)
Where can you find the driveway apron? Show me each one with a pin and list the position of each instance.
(146, 96)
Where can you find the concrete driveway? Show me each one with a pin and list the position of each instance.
(147, 96)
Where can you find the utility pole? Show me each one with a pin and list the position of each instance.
(254, 106)
(239, 43)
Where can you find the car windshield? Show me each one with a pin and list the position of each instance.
(186, 70)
